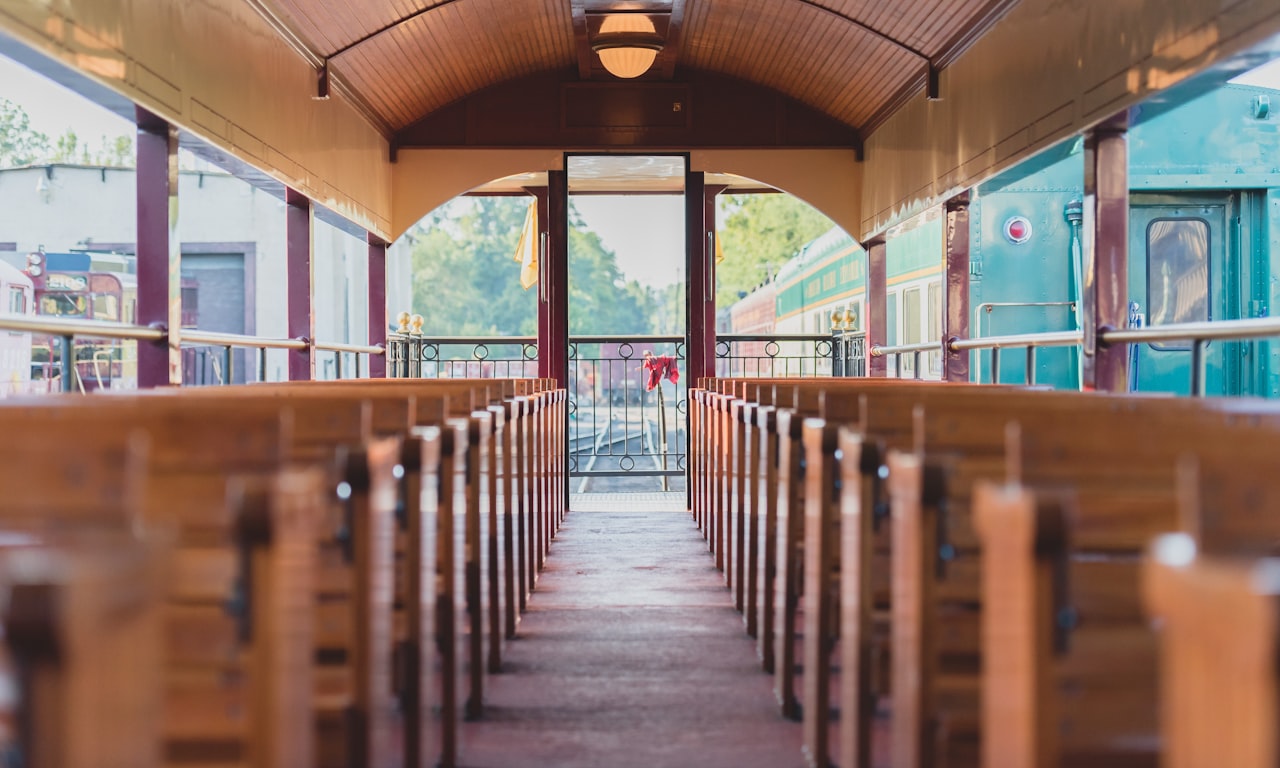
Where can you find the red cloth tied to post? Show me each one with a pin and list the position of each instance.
(659, 367)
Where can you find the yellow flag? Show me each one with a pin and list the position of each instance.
(719, 250)
(527, 249)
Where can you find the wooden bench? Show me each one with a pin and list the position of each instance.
(903, 433)
(82, 633)
(481, 460)
(1216, 620)
(935, 602)
(358, 427)
(234, 549)
(466, 432)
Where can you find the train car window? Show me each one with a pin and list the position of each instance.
(17, 300)
(935, 326)
(891, 319)
(106, 307)
(911, 317)
(64, 305)
(1177, 274)
(910, 325)
(891, 329)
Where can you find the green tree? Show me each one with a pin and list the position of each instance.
(467, 282)
(118, 152)
(67, 148)
(20, 144)
(465, 279)
(758, 234)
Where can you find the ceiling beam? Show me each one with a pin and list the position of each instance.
(581, 41)
(385, 29)
(671, 50)
(868, 29)
(971, 32)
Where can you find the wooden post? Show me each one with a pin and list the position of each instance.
(877, 306)
(159, 250)
(700, 353)
(377, 305)
(553, 279)
(955, 317)
(302, 320)
(1105, 296)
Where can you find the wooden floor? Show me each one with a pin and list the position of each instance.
(631, 654)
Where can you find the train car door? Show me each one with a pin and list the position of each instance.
(1178, 273)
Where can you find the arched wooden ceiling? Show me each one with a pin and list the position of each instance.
(855, 60)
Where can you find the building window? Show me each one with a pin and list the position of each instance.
(17, 300)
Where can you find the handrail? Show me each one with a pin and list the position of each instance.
(1246, 328)
(1046, 339)
(103, 329)
(902, 349)
(626, 338)
(220, 339)
(62, 326)
(359, 349)
(731, 337)
(463, 339)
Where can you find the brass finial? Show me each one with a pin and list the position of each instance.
(415, 323)
(402, 322)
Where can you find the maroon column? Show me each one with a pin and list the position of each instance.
(302, 321)
(159, 251)
(700, 305)
(377, 305)
(877, 309)
(955, 316)
(553, 280)
(1105, 294)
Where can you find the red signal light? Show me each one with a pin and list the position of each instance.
(1017, 229)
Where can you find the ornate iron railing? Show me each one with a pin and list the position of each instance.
(618, 427)
(768, 355)
(411, 356)
(849, 353)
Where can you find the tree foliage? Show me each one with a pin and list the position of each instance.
(758, 234)
(466, 281)
(20, 144)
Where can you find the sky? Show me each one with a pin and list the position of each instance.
(645, 231)
(53, 109)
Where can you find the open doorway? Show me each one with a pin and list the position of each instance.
(627, 331)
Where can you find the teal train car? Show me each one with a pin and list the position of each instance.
(1203, 243)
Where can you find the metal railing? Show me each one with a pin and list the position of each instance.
(618, 427)
(849, 353)
(1198, 334)
(414, 356)
(67, 330)
(765, 355)
(1028, 341)
(898, 350)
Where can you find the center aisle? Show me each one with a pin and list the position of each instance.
(631, 654)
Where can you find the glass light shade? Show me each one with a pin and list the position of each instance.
(627, 62)
(627, 44)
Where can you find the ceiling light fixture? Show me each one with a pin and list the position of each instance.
(627, 44)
